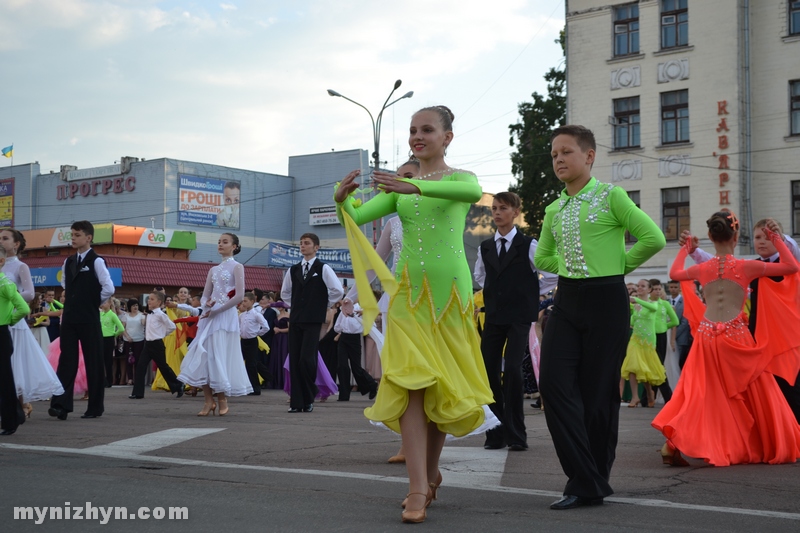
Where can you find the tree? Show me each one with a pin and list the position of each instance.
(537, 184)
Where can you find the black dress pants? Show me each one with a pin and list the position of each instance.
(350, 359)
(109, 346)
(303, 345)
(582, 350)
(90, 336)
(10, 410)
(661, 350)
(154, 351)
(506, 381)
(253, 364)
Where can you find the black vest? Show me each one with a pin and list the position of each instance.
(309, 294)
(82, 290)
(511, 289)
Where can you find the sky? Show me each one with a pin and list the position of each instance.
(244, 83)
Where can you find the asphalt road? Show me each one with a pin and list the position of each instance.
(264, 469)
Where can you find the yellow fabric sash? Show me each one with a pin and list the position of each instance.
(365, 258)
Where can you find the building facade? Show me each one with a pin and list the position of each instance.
(695, 106)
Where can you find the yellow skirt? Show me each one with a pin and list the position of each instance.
(642, 360)
(443, 357)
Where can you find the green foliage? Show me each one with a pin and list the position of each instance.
(537, 184)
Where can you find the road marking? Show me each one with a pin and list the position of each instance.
(151, 441)
(461, 473)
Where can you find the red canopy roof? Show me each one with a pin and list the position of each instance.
(170, 273)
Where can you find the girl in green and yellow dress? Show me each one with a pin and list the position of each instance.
(434, 381)
(641, 364)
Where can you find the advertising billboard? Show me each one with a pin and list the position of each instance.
(208, 202)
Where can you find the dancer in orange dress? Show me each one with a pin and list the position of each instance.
(727, 408)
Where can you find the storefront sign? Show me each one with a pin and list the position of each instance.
(51, 277)
(95, 187)
(286, 255)
(322, 216)
(723, 144)
(96, 172)
(61, 237)
(7, 203)
(158, 238)
(208, 202)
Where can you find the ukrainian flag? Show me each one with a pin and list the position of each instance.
(8, 151)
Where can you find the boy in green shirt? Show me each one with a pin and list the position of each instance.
(12, 309)
(583, 240)
(112, 328)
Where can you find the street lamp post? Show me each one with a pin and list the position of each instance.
(376, 133)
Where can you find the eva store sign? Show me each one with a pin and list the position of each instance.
(95, 187)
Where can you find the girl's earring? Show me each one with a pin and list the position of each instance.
(445, 150)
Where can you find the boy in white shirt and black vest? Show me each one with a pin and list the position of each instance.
(157, 327)
(310, 287)
(87, 284)
(252, 325)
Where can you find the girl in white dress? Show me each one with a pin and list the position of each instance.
(214, 361)
(33, 375)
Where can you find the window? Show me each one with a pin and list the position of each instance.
(674, 23)
(674, 212)
(626, 30)
(794, 17)
(635, 197)
(795, 207)
(794, 107)
(626, 122)
(675, 117)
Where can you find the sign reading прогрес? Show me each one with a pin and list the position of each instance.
(208, 202)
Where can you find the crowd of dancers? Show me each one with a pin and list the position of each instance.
(433, 369)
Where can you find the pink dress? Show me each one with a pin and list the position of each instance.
(81, 384)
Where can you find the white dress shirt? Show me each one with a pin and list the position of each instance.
(335, 291)
(158, 326)
(547, 280)
(348, 324)
(193, 311)
(252, 324)
(100, 270)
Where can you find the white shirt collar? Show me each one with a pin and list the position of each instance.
(508, 236)
(310, 262)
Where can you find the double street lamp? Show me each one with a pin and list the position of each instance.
(376, 124)
(376, 134)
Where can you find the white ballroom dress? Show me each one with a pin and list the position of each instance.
(34, 377)
(215, 355)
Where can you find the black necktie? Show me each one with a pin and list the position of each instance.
(305, 270)
(502, 253)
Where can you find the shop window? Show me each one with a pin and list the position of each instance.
(796, 208)
(674, 212)
(626, 122)
(626, 30)
(675, 117)
(794, 107)
(674, 23)
(635, 197)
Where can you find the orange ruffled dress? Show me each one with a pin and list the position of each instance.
(727, 408)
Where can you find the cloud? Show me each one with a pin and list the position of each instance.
(245, 85)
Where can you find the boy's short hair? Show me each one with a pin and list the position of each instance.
(160, 296)
(509, 198)
(654, 282)
(583, 136)
(250, 296)
(763, 224)
(84, 226)
(673, 281)
(313, 237)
